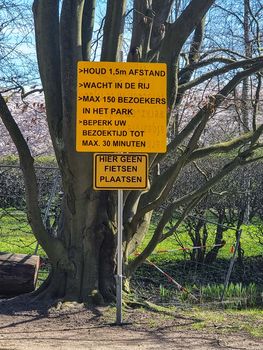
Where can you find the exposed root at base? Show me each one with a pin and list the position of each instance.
(68, 305)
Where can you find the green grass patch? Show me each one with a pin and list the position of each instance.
(211, 321)
(47, 160)
(15, 233)
(16, 237)
(180, 240)
(252, 239)
(236, 296)
(250, 321)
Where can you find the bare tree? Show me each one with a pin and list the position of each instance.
(83, 253)
(18, 62)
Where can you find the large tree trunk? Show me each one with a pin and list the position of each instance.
(88, 222)
(88, 229)
(88, 233)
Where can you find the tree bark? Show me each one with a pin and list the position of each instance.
(113, 34)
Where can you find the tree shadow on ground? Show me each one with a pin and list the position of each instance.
(23, 310)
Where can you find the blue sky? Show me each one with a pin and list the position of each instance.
(17, 49)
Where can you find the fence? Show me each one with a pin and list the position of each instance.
(15, 233)
(183, 283)
(230, 281)
(173, 278)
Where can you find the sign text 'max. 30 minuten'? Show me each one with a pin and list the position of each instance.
(121, 107)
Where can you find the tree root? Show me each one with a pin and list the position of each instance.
(68, 305)
(149, 306)
(95, 298)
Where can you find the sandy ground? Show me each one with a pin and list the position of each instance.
(81, 328)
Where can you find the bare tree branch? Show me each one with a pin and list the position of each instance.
(194, 196)
(239, 64)
(173, 42)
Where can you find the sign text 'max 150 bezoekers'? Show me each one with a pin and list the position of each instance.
(121, 107)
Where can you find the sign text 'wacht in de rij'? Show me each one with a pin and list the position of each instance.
(121, 107)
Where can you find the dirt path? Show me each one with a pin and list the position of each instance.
(80, 328)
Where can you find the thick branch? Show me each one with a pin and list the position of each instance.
(46, 17)
(183, 27)
(224, 92)
(194, 53)
(70, 47)
(195, 196)
(175, 38)
(193, 57)
(142, 22)
(223, 147)
(204, 63)
(113, 30)
(71, 53)
(256, 102)
(87, 28)
(161, 10)
(73, 164)
(231, 53)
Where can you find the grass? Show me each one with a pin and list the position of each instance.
(237, 295)
(249, 243)
(250, 321)
(250, 239)
(16, 234)
(39, 160)
(211, 321)
(16, 237)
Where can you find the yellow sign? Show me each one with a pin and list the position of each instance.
(121, 107)
(120, 171)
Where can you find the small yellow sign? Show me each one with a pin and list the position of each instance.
(120, 171)
(121, 107)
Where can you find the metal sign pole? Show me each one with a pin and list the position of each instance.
(119, 261)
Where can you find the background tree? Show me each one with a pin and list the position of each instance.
(18, 67)
(82, 255)
(19, 75)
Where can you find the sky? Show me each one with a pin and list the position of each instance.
(17, 48)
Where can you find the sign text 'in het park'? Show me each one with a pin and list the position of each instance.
(121, 107)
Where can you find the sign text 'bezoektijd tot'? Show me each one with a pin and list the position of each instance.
(121, 107)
